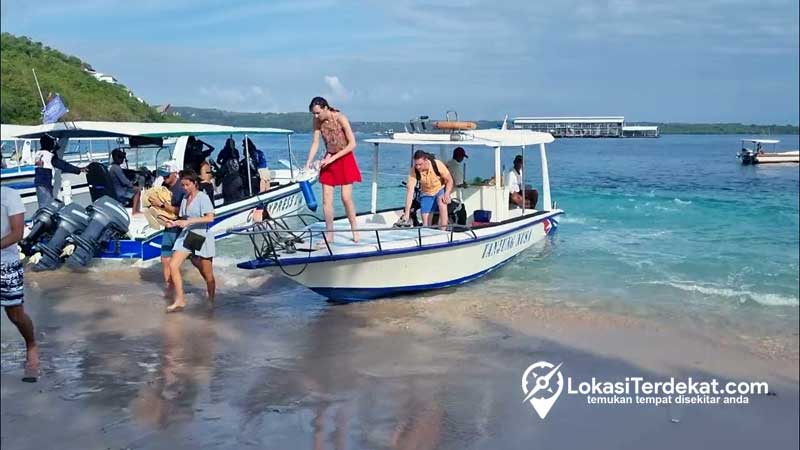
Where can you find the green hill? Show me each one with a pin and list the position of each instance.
(86, 97)
(300, 122)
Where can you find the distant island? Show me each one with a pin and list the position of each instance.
(92, 95)
(301, 123)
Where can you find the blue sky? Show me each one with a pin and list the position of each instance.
(681, 60)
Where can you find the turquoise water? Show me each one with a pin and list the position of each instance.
(672, 227)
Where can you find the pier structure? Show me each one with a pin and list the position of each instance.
(640, 131)
(585, 127)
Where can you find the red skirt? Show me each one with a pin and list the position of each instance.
(342, 171)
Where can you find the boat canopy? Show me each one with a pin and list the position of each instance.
(478, 138)
(82, 129)
(762, 141)
(11, 132)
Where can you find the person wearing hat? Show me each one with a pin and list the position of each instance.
(46, 160)
(456, 167)
(170, 171)
(514, 183)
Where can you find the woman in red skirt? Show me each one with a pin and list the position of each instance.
(339, 166)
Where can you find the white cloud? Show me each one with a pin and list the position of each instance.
(237, 98)
(337, 90)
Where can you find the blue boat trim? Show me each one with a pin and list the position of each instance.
(150, 247)
(362, 294)
(262, 263)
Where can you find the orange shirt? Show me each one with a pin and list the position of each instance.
(429, 182)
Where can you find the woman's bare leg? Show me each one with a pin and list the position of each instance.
(327, 210)
(178, 257)
(206, 269)
(350, 208)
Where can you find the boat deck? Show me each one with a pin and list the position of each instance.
(382, 238)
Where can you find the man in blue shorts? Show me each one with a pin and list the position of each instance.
(435, 185)
(172, 182)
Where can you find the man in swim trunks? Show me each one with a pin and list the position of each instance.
(435, 184)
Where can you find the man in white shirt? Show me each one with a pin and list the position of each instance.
(514, 183)
(12, 224)
(456, 167)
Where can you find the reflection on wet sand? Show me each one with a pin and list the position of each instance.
(277, 367)
(186, 356)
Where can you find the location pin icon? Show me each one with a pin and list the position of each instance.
(543, 383)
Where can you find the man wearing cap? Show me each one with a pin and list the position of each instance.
(456, 168)
(514, 183)
(170, 171)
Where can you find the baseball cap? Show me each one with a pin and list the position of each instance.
(460, 151)
(170, 167)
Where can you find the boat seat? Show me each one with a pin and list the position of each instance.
(99, 181)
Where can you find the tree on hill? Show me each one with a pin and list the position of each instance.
(86, 97)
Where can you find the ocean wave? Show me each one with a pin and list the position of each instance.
(573, 219)
(762, 298)
(682, 202)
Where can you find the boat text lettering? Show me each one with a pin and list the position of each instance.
(506, 244)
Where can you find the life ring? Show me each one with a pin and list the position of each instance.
(455, 125)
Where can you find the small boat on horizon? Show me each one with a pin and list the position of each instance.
(756, 154)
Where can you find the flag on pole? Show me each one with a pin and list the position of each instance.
(54, 110)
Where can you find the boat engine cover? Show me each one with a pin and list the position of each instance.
(108, 220)
(72, 220)
(45, 221)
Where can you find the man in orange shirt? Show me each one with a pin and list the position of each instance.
(435, 185)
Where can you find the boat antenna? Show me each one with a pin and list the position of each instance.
(37, 87)
(505, 123)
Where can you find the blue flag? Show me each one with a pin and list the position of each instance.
(54, 110)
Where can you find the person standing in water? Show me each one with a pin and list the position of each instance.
(197, 214)
(339, 166)
(12, 289)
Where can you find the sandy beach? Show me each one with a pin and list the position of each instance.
(275, 366)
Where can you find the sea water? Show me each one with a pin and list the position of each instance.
(673, 226)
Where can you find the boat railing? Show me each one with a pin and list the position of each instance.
(272, 238)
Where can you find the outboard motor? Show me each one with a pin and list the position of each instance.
(45, 220)
(108, 219)
(72, 220)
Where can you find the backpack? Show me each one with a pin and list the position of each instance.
(435, 166)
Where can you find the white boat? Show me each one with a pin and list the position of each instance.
(143, 239)
(754, 152)
(389, 260)
(19, 169)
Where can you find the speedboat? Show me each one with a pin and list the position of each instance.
(19, 169)
(753, 152)
(136, 237)
(390, 259)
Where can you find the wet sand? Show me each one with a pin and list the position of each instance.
(275, 366)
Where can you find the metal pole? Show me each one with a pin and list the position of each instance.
(375, 180)
(498, 188)
(37, 87)
(522, 180)
(547, 205)
(291, 156)
(247, 158)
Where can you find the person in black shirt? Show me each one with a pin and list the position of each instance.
(228, 159)
(195, 155)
